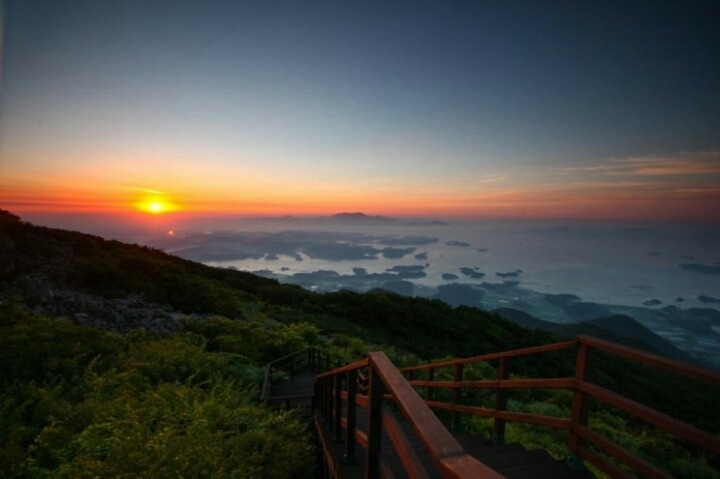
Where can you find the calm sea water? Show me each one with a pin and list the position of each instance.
(613, 263)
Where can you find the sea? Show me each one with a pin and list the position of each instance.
(618, 263)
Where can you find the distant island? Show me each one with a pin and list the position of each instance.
(704, 298)
(358, 217)
(460, 244)
(701, 268)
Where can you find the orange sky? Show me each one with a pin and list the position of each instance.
(641, 189)
(431, 109)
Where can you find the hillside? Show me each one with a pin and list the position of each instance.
(616, 328)
(119, 286)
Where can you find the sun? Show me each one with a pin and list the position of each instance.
(155, 204)
(155, 207)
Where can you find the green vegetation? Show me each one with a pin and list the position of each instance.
(77, 401)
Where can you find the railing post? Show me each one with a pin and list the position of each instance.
(351, 416)
(457, 395)
(429, 391)
(328, 400)
(319, 399)
(580, 404)
(377, 389)
(500, 402)
(337, 407)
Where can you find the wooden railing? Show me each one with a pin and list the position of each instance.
(374, 382)
(385, 382)
(286, 366)
(583, 442)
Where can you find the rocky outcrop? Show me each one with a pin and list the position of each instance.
(120, 315)
(34, 273)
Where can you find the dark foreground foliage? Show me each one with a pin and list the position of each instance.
(78, 402)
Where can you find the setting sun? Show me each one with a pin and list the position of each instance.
(155, 207)
(156, 204)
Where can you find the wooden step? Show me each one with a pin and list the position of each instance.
(479, 451)
(545, 470)
(502, 461)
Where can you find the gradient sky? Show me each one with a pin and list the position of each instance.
(477, 108)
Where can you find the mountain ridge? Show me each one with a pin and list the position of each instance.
(617, 328)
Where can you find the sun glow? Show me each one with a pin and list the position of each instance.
(156, 204)
(155, 207)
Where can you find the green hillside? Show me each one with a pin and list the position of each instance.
(41, 263)
(617, 328)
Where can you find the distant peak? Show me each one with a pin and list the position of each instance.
(358, 216)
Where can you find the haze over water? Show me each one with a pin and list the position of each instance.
(617, 263)
(623, 263)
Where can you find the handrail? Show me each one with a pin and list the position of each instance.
(493, 356)
(310, 355)
(651, 359)
(342, 369)
(383, 382)
(583, 389)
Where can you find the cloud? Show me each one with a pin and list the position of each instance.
(491, 179)
(681, 165)
(144, 190)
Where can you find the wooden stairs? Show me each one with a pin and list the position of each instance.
(371, 422)
(511, 461)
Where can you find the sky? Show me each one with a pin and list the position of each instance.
(470, 109)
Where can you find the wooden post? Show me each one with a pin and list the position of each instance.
(328, 400)
(351, 416)
(581, 403)
(500, 402)
(375, 420)
(457, 395)
(430, 390)
(337, 407)
(320, 403)
(319, 395)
